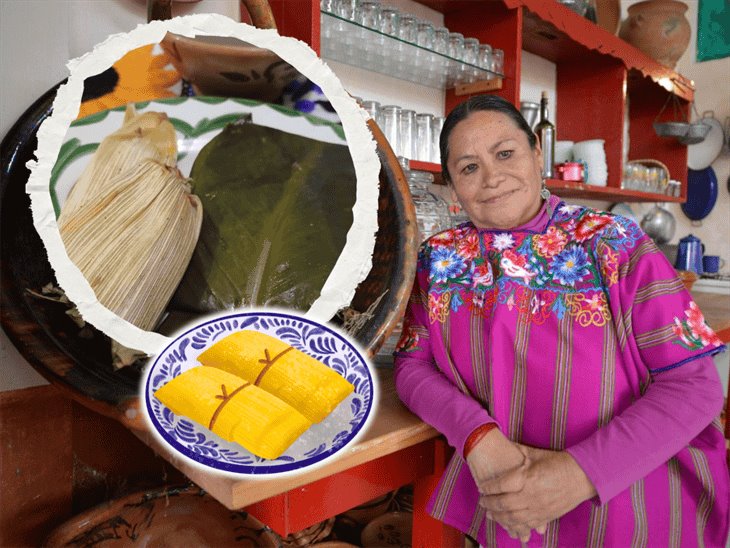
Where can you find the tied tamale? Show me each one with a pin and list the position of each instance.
(235, 409)
(291, 375)
(278, 207)
(130, 223)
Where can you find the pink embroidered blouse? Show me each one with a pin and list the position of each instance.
(573, 333)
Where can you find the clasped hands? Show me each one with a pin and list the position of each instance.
(523, 488)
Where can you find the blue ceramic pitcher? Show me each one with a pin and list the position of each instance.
(689, 254)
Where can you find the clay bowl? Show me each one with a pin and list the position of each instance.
(184, 516)
(688, 278)
(391, 529)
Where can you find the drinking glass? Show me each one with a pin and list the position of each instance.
(390, 115)
(456, 51)
(373, 109)
(408, 30)
(485, 58)
(471, 56)
(368, 14)
(437, 125)
(498, 61)
(424, 137)
(407, 139)
(441, 40)
(389, 21)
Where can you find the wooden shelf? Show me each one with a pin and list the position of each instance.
(571, 189)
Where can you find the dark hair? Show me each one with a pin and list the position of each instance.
(474, 104)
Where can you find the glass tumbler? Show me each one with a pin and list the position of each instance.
(390, 115)
(437, 125)
(368, 14)
(471, 56)
(373, 109)
(456, 46)
(441, 40)
(407, 139)
(408, 30)
(498, 61)
(389, 21)
(485, 59)
(424, 137)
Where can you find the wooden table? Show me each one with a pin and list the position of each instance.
(397, 449)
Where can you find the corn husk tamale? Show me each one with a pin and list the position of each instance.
(278, 207)
(235, 409)
(130, 224)
(303, 382)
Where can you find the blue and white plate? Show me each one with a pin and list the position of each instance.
(321, 441)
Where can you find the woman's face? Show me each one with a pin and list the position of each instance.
(495, 175)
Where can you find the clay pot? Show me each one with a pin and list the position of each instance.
(659, 29)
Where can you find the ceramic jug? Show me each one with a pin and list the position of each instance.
(689, 254)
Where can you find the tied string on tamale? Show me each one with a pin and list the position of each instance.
(268, 361)
(226, 398)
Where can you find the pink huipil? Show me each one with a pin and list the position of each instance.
(573, 333)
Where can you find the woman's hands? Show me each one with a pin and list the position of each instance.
(546, 486)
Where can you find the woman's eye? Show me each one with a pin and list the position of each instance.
(469, 168)
(504, 154)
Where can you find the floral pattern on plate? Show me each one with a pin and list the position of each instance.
(321, 441)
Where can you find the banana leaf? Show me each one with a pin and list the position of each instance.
(277, 208)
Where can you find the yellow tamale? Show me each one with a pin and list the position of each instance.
(234, 409)
(303, 382)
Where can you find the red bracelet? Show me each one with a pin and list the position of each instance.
(476, 436)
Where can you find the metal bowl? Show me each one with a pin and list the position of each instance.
(671, 129)
(696, 133)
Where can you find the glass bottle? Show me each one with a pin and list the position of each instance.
(545, 132)
(432, 211)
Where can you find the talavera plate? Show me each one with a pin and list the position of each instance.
(321, 441)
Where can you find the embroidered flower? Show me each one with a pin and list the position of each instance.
(468, 245)
(570, 266)
(590, 225)
(515, 266)
(551, 243)
(502, 241)
(588, 310)
(442, 239)
(694, 333)
(482, 275)
(438, 306)
(609, 266)
(408, 341)
(487, 240)
(445, 263)
(569, 209)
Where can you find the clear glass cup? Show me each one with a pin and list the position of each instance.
(389, 21)
(437, 125)
(485, 57)
(390, 115)
(327, 5)
(471, 56)
(424, 34)
(498, 61)
(408, 29)
(424, 137)
(344, 9)
(456, 45)
(441, 40)
(432, 211)
(368, 14)
(373, 109)
(407, 139)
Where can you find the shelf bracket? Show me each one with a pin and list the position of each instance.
(478, 87)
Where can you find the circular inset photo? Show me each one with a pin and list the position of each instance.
(258, 393)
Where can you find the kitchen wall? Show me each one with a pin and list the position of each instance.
(65, 29)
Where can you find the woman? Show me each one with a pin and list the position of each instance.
(558, 352)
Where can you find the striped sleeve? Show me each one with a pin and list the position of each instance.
(657, 317)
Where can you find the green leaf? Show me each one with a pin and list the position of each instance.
(210, 100)
(277, 208)
(90, 119)
(182, 126)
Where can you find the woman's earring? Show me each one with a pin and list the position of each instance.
(544, 192)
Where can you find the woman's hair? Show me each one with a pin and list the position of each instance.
(475, 104)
